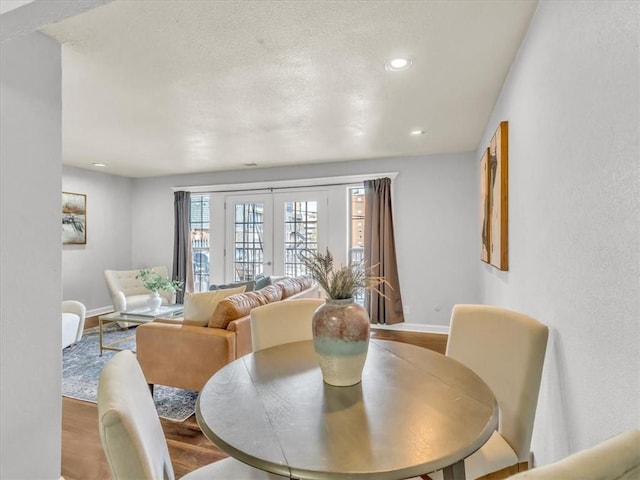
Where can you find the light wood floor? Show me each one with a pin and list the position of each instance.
(83, 457)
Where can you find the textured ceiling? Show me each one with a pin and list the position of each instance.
(163, 87)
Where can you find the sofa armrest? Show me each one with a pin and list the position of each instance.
(182, 356)
(169, 320)
(242, 328)
(119, 302)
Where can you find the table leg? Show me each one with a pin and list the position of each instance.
(454, 472)
(100, 333)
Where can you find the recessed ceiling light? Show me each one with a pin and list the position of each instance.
(398, 64)
(415, 133)
(99, 164)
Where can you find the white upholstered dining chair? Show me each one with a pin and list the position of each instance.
(132, 436)
(617, 458)
(506, 349)
(282, 322)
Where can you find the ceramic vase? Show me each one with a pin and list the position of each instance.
(341, 341)
(155, 300)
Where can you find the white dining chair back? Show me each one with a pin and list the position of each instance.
(132, 435)
(616, 458)
(130, 429)
(506, 349)
(282, 322)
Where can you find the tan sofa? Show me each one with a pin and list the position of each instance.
(182, 355)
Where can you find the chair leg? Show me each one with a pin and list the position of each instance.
(151, 388)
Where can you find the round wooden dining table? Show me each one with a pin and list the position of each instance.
(415, 411)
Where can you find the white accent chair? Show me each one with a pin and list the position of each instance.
(506, 349)
(73, 316)
(282, 322)
(128, 293)
(132, 435)
(617, 458)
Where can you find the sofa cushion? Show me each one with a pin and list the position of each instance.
(199, 307)
(234, 307)
(291, 286)
(303, 282)
(271, 293)
(287, 286)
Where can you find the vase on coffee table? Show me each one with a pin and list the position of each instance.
(341, 341)
(155, 300)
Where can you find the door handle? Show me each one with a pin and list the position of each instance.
(267, 263)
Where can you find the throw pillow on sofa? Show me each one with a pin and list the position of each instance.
(199, 307)
(249, 286)
(262, 281)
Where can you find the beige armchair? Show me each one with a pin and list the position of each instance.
(127, 291)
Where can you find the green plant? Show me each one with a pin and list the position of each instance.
(155, 282)
(343, 282)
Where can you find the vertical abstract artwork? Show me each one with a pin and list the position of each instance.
(484, 205)
(74, 218)
(494, 170)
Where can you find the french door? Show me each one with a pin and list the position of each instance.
(267, 232)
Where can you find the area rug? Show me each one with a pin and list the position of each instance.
(82, 364)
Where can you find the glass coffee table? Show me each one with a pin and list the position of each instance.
(137, 317)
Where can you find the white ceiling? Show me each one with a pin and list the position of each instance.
(178, 86)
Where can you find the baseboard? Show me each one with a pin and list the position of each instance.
(414, 327)
(99, 311)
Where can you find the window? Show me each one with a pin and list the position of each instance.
(200, 241)
(269, 230)
(300, 234)
(248, 241)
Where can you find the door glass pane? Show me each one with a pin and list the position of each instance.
(300, 233)
(248, 242)
(200, 241)
(356, 237)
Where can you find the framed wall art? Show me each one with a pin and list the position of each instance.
(74, 218)
(494, 188)
(484, 206)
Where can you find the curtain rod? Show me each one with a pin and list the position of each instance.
(285, 184)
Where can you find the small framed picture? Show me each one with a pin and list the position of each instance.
(74, 218)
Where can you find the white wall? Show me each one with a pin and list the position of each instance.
(572, 102)
(435, 214)
(8, 5)
(108, 237)
(30, 327)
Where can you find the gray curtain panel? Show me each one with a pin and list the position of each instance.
(380, 253)
(182, 268)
